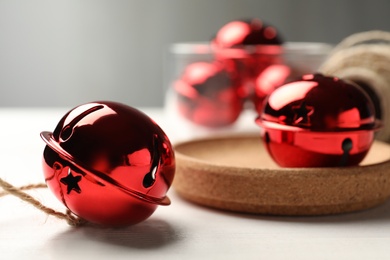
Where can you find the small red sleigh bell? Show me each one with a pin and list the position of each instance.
(207, 95)
(318, 121)
(108, 163)
(247, 48)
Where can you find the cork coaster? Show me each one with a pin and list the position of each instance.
(235, 173)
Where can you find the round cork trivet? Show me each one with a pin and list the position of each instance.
(235, 173)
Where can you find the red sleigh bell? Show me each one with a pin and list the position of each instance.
(239, 33)
(108, 163)
(318, 121)
(248, 47)
(207, 95)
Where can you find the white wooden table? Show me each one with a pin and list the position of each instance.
(180, 231)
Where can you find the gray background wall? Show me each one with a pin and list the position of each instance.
(66, 52)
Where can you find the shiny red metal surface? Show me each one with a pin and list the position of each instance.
(318, 121)
(248, 47)
(268, 80)
(212, 93)
(208, 95)
(109, 163)
(241, 33)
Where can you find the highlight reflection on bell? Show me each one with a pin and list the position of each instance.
(108, 163)
(239, 33)
(268, 80)
(318, 121)
(207, 95)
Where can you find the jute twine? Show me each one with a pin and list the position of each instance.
(9, 189)
(365, 58)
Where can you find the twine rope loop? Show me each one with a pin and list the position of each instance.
(9, 189)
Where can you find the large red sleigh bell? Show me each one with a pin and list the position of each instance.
(318, 121)
(108, 163)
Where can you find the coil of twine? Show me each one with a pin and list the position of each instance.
(364, 58)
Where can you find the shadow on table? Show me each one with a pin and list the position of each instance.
(377, 214)
(150, 234)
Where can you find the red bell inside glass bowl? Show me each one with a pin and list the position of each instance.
(239, 33)
(318, 121)
(208, 95)
(247, 47)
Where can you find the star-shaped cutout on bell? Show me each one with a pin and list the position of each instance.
(302, 114)
(72, 182)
